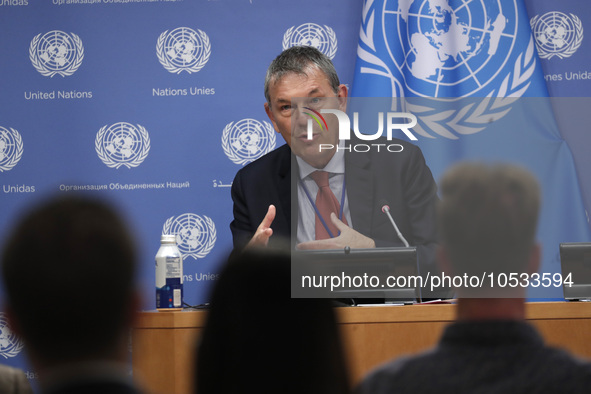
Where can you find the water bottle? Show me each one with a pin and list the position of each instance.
(169, 274)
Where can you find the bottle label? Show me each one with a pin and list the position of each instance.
(173, 267)
(170, 295)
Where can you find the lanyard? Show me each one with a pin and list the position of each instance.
(316, 208)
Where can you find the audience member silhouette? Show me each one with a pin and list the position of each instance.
(258, 339)
(487, 219)
(68, 270)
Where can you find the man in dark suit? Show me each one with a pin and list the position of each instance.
(68, 270)
(266, 196)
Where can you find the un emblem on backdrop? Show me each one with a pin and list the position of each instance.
(11, 148)
(183, 49)
(447, 49)
(122, 144)
(56, 52)
(310, 34)
(10, 345)
(195, 235)
(247, 140)
(557, 34)
(437, 46)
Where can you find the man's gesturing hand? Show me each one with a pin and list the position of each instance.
(264, 231)
(348, 237)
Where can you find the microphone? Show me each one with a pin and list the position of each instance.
(386, 210)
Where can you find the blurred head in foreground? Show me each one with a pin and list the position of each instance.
(258, 339)
(487, 220)
(68, 270)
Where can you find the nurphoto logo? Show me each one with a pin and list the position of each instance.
(394, 122)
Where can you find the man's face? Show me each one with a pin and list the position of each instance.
(290, 96)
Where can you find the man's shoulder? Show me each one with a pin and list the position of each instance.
(11, 378)
(8, 370)
(556, 370)
(96, 386)
(387, 377)
(272, 161)
(557, 358)
(519, 366)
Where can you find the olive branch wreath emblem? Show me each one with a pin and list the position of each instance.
(211, 239)
(470, 118)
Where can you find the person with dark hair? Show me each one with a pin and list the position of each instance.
(258, 339)
(68, 270)
(487, 221)
(335, 193)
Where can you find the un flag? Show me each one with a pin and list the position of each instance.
(470, 73)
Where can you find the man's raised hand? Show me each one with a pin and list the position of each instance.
(264, 231)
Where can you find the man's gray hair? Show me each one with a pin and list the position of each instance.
(298, 60)
(487, 216)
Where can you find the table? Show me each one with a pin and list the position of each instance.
(164, 343)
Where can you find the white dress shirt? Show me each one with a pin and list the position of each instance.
(307, 215)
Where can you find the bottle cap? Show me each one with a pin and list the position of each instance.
(168, 239)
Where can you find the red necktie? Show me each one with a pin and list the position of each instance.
(326, 202)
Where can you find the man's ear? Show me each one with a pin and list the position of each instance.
(271, 116)
(342, 94)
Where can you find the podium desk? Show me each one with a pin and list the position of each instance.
(164, 342)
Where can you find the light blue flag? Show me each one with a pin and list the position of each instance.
(483, 55)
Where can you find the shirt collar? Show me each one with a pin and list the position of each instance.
(336, 165)
(491, 333)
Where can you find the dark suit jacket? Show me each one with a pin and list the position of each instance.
(96, 387)
(402, 178)
(94, 377)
